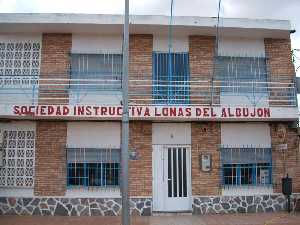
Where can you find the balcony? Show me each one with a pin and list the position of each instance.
(64, 98)
(107, 91)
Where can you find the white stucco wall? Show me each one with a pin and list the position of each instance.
(171, 133)
(179, 43)
(96, 43)
(246, 134)
(21, 37)
(94, 135)
(234, 46)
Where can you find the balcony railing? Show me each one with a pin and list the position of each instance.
(107, 90)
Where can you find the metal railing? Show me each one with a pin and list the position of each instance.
(145, 91)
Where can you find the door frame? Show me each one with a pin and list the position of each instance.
(155, 193)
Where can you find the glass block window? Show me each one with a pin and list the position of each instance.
(105, 67)
(19, 158)
(92, 167)
(171, 78)
(234, 70)
(20, 58)
(246, 166)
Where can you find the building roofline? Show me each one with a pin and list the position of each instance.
(13, 22)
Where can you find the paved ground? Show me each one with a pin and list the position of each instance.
(239, 219)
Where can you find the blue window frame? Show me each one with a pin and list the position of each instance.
(246, 166)
(93, 167)
(171, 78)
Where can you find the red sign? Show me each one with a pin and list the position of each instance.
(183, 112)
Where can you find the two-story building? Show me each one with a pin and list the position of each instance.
(212, 130)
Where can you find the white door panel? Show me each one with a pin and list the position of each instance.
(171, 178)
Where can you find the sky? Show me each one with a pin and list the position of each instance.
(270, 9)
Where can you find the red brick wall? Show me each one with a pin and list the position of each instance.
(50, 159)
(201, 57)
(285, 161)
(278, 52)
(206, 138)
(140, 181)
(140, 65)
(279, 64)
(55, 63)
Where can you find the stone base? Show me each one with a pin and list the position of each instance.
(241, 204)
(72, 206)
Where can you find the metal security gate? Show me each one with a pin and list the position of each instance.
(171, 178)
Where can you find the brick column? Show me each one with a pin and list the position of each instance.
(201, 57)
(140, 171)
(206, 138)
(50, 159)
(285, 161)
(55, 63)
(140, 65)
(279, 64)
(279, 57)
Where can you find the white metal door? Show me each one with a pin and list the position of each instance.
(171, 178)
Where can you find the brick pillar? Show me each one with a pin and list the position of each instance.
(55, 63)
(201, 57)
(140, 180)
(279, 64)
(206, 138)
(140, 65)
(285, 161)
(50, 159)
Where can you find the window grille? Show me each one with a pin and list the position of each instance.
(20, 59)
(237, 73)
(93, 167)
(105, 67)
(19, 155)
(246, 166)
(171, 86)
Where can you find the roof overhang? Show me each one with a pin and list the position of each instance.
(141, 24)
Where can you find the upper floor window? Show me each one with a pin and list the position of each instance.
(104, 69)
(171, 78)
(20, 58)
(241, 74)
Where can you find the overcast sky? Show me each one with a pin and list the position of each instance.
(272, 9)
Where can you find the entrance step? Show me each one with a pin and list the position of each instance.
(177, 213)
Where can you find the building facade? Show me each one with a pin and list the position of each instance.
(211, 131)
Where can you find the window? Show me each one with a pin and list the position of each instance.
(19, 155)
(106, 68)
(237, 74)
(20, 59)
(246, 166)
(171, 78)
(91, 167)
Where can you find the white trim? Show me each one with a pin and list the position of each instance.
(247, 191)
(16, 192)
(93, 193)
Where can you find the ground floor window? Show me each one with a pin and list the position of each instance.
(18, 158)
(93, 167)
(246, 166)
